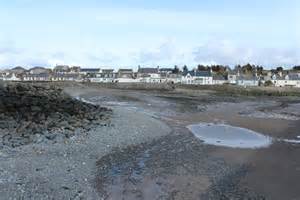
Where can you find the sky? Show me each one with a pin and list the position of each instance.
(128, 33)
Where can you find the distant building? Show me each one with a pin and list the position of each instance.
(104, 76)
(149, 75)
(166, 70)
(174, 78)
(248, 80)
(219, 80)
(288, 80)
(89, 71)
(66, 77)
(61, 69)
(75, 69)
(232, 77)
(11, 77)
(196, 77)
(37, 77)
(126, 76)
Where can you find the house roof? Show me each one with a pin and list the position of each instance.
(198, 73)
(126, 70)
(43, 75)
(107, 71)
(294, 76)
(66, 75)
(166, 69)
(89, 69)
(247, 78)
(148, 70)
(219, 77)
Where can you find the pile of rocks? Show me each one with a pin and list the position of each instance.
(28, 111)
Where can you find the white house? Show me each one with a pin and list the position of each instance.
(37, 77)
(289, 80)
(174, 78)
(89, 71)
(197, 78)
(149, 75)
(11, 77)
(65, 77)
(232, 77)
(104, 76)
(247, 81)
(126, 76)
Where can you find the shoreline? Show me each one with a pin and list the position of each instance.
(66, 170)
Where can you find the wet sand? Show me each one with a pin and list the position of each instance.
(180, 166)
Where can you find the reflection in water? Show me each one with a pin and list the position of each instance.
(229, 136)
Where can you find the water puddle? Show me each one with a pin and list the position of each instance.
(229, 136)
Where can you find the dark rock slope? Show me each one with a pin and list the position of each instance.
(29, 112)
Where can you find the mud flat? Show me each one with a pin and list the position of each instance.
(182, 166)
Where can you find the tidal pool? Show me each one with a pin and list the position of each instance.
(229, 136)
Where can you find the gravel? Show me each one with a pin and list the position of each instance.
(66, 169)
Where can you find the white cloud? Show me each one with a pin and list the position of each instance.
(229, 53)
(166, 52)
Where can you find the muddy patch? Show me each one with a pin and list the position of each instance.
(173, 167)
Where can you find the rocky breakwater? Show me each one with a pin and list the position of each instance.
(32, 113)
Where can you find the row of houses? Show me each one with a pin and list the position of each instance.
(150, 75)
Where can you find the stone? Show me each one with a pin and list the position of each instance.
(35, 112)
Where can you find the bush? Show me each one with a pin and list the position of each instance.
(268, 83)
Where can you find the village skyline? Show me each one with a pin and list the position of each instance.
(246, 75)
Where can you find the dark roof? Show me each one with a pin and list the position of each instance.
(247, 78)
(166, 69)
(294, 76)
(126, 70)
(45, 75)
(219, 77)
(198, 73)
(148, 70)
(66, 75)
(107, 70)
(89, 69)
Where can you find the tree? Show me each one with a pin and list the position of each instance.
(185, 69)
(279, 69)
(219, 69)
(201, 68)
(296, 68)
(259, 70)
(268, 83)
(248, 68)
(175, 70)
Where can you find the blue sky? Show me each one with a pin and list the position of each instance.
(119, 33)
